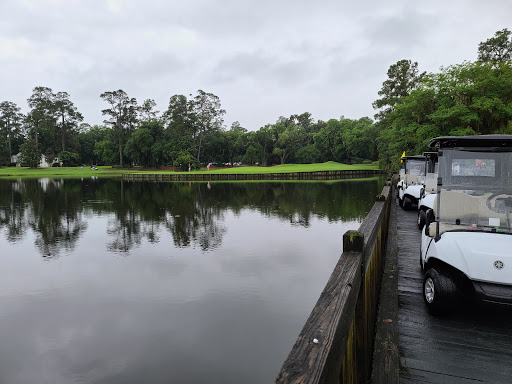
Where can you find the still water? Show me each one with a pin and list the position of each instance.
(104, 281)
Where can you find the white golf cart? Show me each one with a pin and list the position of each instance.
(413, 173)
(467, 242)
(428, 192)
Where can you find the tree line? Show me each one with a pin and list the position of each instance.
(413, 106)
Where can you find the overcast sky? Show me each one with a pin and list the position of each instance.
(264, 59)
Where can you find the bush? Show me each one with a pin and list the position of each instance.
(29, 155)
(184, 159)
(68, 159)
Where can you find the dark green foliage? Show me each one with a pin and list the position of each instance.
(183, 159)
(30, 155)
(403, 77)
(465, 99)
(251, 155)
(10, 130)
(69, 159)
(123, 117)
(307, 155)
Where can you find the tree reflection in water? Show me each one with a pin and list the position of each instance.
(56, 210)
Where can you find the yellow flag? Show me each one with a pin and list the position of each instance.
(403, 155)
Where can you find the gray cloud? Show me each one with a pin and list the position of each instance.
(263, 59)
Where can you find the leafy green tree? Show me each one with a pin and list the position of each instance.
(10, 128)
(30, 155)
(88, 137)
(236, 142)
(263, 141)
(69, 159)
(465, 99)
(42, 113)
(329, 141)
(208, 116)
(138, 146)
(252, 154)
(123, 116)
(497, 49)
(403, 77)
(360, 139)
(147, 111)
(106, 149)
(183, 159)
(289, 142)
(179, 116)
(307, 155)
(67, 115)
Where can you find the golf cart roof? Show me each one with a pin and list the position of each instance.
(415, 157)
(477, 141)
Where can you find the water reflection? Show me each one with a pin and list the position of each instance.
(192, 213)
(216, 279)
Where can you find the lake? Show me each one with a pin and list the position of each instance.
(105, 281)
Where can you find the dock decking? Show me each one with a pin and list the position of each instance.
(472, 345)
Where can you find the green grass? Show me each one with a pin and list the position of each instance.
(286, 168)
(76, 172)
(64, 172)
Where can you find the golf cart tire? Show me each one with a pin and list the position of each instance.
(407, 203)
(445, 291)
(401, 202)
(422, 219)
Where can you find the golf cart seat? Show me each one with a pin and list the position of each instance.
(414, 179)
(431, 185)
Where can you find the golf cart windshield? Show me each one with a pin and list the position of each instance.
(476, 191)
(415, 167)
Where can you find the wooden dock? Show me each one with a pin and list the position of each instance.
(471, 345)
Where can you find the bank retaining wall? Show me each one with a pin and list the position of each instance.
(336, 343)
(321, 175)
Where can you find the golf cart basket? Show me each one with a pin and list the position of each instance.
(474, 186)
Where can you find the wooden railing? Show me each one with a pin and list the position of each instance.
(336, 343)
(320, 175)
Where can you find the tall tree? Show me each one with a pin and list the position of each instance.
(147, 111)
(122, 112)
(10, 123)
(42, 111)
(68, 116)
(208, 116)
(403, 77)
(179, 116)
(497, 49)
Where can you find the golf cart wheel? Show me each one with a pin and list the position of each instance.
(422, 219)
(407, 203)
(401, 202)
(440, 291)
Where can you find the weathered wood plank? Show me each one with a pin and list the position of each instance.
(386, 356)
(473, 344)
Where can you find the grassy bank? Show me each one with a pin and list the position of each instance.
(77, 172)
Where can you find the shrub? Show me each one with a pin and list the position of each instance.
(68, 159)
(184, 159)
